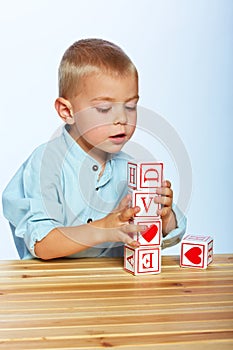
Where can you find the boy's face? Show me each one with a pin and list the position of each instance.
(105, 113)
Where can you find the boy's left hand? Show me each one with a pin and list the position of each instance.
(165, 198)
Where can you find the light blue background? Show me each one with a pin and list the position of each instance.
(183, 50)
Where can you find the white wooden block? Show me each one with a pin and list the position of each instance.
(145, 200)
(145, 175)
(152, 236)
(196, 251)
(142, 260)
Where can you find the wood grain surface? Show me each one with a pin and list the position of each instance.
(95, 304)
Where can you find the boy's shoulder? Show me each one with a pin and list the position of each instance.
(48, 152)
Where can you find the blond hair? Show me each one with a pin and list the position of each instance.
(91, 56)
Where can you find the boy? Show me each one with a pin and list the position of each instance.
(70, 197)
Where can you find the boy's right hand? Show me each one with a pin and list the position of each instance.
(117, 226)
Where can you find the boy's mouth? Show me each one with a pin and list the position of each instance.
(118, 138)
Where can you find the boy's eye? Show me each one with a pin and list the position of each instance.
(131, 107)
(103, 109)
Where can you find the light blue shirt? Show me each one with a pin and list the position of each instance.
(59, 185)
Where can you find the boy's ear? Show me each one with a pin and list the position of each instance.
(64, 109)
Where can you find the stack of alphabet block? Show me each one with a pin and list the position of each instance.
(143, 180)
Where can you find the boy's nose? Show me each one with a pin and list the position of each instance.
(120, 116)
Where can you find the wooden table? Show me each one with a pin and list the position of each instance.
(95, 304)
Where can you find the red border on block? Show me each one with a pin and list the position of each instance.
(128, 248)
(159, 261)
(150, 163)
(194, 245)
(128, 182)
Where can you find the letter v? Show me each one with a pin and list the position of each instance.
(144, 203)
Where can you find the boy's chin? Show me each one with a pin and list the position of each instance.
(110, 150)
(116, 148)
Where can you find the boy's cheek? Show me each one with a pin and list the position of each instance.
(131, 130)
(92, 126)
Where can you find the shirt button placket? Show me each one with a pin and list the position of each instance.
(94, 168)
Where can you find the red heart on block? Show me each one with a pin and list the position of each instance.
(150, 233)
(193, 255)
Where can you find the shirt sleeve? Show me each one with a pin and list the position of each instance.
(175, 236)
(32, 201)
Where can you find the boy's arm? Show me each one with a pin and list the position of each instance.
(64, 241)
(61, 241)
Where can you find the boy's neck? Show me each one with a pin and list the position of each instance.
(100, 156)
(97, 154)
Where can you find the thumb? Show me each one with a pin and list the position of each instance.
(125, 202)
(126, 239)
(127, 213)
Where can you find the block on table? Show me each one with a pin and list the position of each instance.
(196, 251)
(142, 260)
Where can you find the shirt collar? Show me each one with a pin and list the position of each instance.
(81, 156)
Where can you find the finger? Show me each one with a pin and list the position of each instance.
(127, 238)
(166, 201)
(166, 183)
(125, 202)
(131, 228)
(128, 213)
(131, 242)
(164, 191)
(164, 211)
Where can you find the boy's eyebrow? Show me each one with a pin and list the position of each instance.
(110, 99)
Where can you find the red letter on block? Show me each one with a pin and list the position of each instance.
(147, 261)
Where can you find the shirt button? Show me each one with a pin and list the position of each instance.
(95, 167)
(89, 220)
(97, 189)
